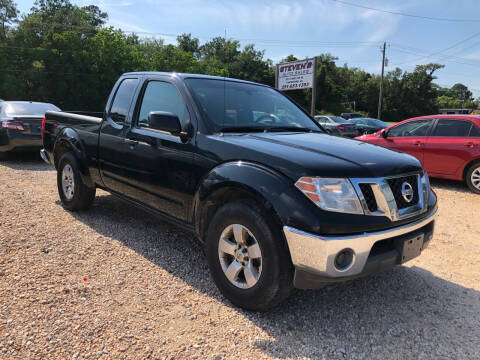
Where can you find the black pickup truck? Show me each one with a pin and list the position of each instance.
(278, 203)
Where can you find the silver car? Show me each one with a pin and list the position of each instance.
(337, 125)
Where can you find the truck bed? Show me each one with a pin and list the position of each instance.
(84, 128)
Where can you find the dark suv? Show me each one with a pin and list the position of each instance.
(348, 116)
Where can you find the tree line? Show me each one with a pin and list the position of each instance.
(65, 54)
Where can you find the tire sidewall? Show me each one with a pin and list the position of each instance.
(68, 159)
(468, 177)
(273, 255)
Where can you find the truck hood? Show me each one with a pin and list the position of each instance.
(313, 154)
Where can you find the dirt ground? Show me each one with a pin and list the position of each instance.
(117, 283)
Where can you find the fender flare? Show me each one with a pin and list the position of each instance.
(269, 187)
(70, 139)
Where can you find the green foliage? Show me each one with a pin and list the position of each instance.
(63, 53)
(8, 16)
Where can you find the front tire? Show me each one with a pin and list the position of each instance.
(248, 257)
(75, 195)
(472, 177)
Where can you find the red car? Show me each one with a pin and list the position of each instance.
(447, 145)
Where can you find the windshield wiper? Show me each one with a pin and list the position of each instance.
(291, 128)
(241, 129)
(265, 129)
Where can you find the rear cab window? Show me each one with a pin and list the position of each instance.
(120, 107)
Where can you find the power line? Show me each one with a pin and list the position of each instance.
(467, 48)
(439, 57)
(404, 14)
(443, 50)
(422, 52)
(50, 72)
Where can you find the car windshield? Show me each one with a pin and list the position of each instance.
(34, 109)
(237, 106)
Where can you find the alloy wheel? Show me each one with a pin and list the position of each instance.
(68, 182)
(475, 178)
(240, 256)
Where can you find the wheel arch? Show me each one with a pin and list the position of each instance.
(271, 191)
(467, 166)
(69, 141)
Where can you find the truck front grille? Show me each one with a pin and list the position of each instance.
(396, 186)
(369, 197)
(385, 197)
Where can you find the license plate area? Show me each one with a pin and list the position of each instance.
(409, 248)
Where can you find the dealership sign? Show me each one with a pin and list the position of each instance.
(300, 74)
(296, 75)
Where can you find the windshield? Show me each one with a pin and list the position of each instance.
(34, 109)
(229, 104)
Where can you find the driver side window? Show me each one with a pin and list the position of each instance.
(161, 96)
(412, 128)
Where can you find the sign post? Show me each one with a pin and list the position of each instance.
(295, 75)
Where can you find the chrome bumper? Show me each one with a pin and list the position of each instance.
(44, 156)
(316, 253)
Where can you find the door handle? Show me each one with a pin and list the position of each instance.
(131, 142)
(470, 144)
(418, 143)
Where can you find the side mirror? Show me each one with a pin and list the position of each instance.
(384, 133)
(164, 121)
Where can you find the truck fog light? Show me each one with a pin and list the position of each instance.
(344, 259)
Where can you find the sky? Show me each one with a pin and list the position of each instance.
(307, 28)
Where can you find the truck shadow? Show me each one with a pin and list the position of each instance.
(25, 161)
(406, 308)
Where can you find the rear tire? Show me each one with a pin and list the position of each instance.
(75, 195)
(272, 268)
(472, 177)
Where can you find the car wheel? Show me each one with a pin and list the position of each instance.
(473, 177)
(75, 195)
(3, 155)
(248, 257)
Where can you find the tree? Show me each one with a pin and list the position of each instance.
(461, 92)
(8, 15)
(220, 49)
(62, 53)
(188, 44)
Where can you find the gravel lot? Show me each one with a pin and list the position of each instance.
(115, 283)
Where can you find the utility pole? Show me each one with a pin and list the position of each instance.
(381, 82)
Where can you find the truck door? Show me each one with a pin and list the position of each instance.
(112, 150)
(160, 164)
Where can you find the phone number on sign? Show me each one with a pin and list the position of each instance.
(295, 86)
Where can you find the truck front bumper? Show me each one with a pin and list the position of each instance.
(323, 259)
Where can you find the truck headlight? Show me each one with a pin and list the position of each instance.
(331, 194)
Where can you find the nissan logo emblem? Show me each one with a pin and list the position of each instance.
(407, 192)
